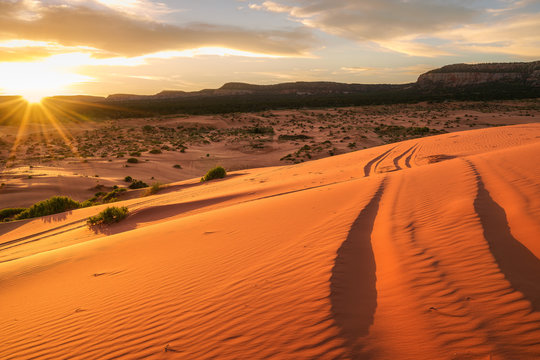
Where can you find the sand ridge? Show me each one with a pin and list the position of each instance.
(421, 249)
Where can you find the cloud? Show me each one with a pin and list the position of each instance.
(403, 25)
(374, 20)
(273, 7)
(517, 35)
(138, 8)
(413, 47)
(113, 29)
(354, 69)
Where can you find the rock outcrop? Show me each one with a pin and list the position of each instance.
(463, 75)
(516, 78)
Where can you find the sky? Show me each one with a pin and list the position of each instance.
(100, 47)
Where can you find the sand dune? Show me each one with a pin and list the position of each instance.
(424, 249)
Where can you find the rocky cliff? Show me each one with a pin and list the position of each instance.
(509, 80)
(462, 75)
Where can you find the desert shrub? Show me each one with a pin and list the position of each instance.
(138, 184)
(177, 166)
(215, 173)
(88, 203)
(155, 151)
(112, 195)
(399, 132)
(261, 130)
(109, 216)
(152, 189)
(8, 213)
(54, 205)
(135, 153)
(128, 179)
(293, 137)
(132, 160)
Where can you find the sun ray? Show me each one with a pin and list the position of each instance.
(20, 133)
(44, 134)
(101, 106)
(70, 114)
(57, 125)
(12, 111)
(11, 102)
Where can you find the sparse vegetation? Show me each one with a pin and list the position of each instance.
(9, 213)
(108, 216)
(399, 133)
(138, 184)
(113, 195)
(153, 189)
(215, 173)
(132, 160)
(54, 205)
(293, 137)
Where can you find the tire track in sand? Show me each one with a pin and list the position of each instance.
(399, 157)
(517, 263)
(408, 159)
(353, 292)
(375, 162)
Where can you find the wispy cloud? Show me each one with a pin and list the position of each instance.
(114, 30)
(374, 20)
(402, 25)
(517, 35)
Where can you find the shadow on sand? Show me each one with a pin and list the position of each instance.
(353, 294)
(518, 264)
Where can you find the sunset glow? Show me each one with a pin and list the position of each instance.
(35, 81)
(270, 179)
(97, 47)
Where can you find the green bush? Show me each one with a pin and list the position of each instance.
(177, 166)
(112, 196)
(155, 151)
(109, 216)
(215, 173)
(8, 213)
(132, 160)
(128, 179)
(138, 184)
(261, 130)
(153, 189)
(293, 137)
(54, 205)
(88, 203)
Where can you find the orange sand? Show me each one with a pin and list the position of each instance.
(426, 249)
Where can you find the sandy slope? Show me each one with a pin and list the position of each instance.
(426, 249)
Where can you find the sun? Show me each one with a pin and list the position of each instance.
(32, 98)
(36, 80)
